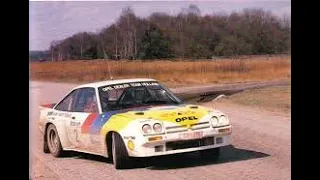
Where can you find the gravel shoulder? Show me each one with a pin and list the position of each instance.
(261, 149)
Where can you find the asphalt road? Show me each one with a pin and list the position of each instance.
(261, 149)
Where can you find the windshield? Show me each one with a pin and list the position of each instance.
(128, 95)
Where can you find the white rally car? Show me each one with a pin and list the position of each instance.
(127, 118)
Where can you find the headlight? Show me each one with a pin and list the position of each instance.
(146, 129)
(157, 127)
(223, 120)
(214, 121)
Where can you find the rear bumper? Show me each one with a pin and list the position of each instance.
(172, 143)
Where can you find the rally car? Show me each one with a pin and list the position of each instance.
(120, 119)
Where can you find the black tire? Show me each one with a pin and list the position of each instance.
(119, 152)
(210, 154)
(53, 141)
(45, 144)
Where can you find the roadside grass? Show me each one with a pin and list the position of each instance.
(171, 73)
(276, 99)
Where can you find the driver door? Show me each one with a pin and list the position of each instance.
(84, 113)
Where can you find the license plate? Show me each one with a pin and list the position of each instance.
(191, 135)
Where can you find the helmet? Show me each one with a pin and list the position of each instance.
(104, 97)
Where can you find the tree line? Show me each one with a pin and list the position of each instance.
(185, 35)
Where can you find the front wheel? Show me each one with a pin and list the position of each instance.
(210, 154)
(119, 152)
(53, 141)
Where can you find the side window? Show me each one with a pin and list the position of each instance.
(86, 101)
(66, 103)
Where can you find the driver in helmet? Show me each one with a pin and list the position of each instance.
(104, 98)
(91, 105)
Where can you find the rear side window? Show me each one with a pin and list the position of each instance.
(67, 102)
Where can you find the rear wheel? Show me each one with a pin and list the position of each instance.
(210, 154)
(119, 152)
(45, 147)
(53, 140)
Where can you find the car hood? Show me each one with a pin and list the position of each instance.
(181, 114)
(169, 115)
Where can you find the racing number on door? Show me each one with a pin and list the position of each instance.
(76, 135)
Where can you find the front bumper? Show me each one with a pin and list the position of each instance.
(172, 143)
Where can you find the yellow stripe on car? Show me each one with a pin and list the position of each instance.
(184, 116)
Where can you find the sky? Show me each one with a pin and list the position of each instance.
(56, 20)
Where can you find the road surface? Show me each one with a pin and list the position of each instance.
(261, 149)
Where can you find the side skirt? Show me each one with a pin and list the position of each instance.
(88, 152)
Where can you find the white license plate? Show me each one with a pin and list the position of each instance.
(191, 135)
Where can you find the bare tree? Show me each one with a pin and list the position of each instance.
(188, 34)
(127, 24)
(81, 45)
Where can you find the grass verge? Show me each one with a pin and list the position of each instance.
(277, 98)
(171, 73)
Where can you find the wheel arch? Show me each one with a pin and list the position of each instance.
(108, 142)
(61, 130)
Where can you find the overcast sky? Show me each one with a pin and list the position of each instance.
(56, 20)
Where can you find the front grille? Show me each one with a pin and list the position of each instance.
(200, 125)
(182, 128)
(175, 129)
(189, 143)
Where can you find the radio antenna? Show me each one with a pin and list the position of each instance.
(110, 75)
(105, 58)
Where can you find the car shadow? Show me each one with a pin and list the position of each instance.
(176, 161)
(227, 154)
(81, 155)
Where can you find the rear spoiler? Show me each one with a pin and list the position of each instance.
(51, 105)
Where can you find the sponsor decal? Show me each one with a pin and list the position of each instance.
(129, 137)
(63, 114)
(149, 84)
(72, 123)
(186, 118)
(121, 86)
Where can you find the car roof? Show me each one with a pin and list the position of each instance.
(111, 82)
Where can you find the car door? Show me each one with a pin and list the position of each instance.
(61, 116)
(84, 113)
